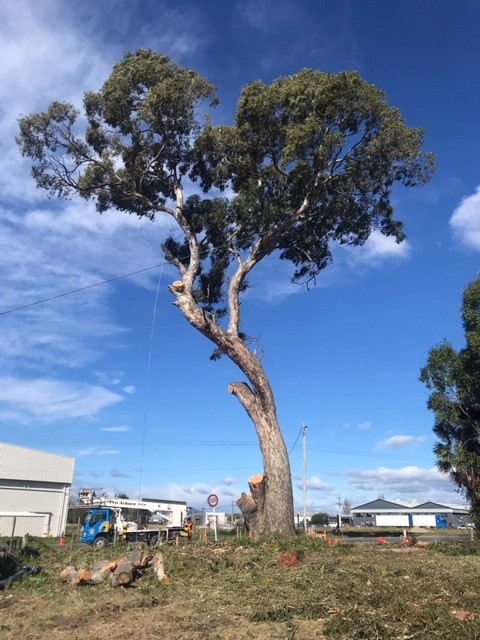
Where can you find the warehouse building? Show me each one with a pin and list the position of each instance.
(382, 513)
(34, 491)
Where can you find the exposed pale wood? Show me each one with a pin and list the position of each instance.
(68, 574)
(124, 574)
(159, 567)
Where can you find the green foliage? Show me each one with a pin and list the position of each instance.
(453, 377)
(311, 158)
(319, 518)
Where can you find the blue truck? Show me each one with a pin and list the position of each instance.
(105, 521)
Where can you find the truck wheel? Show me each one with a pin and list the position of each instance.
(100, 542)
(153, 541)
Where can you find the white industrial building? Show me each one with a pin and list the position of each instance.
(34, 491)
(382, 513)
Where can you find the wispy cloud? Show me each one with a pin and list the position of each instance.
(407, 480)
(361, 426)
(119, 429)
(315, 484)
(97, 451)
(394, 442)
(465, 221)
(130, 389)
(47, 400)
(116, 473)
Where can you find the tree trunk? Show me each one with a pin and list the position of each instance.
(269, 508)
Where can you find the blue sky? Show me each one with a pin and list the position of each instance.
(114, 376)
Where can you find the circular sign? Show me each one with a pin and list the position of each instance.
(212, 500)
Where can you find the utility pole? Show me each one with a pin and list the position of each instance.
(304, 436)
(339, 512)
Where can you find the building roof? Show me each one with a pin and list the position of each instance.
(379, 504)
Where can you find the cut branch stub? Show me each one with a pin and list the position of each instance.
(251, 505)
(177, 286)
(255, 481)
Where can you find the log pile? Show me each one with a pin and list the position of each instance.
(122, 572)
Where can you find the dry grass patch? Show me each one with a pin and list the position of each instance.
(350, 592)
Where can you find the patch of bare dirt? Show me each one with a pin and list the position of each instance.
(128, 614)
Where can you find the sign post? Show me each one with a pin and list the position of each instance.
(212, 502)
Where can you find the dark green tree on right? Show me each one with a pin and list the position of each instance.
(453, 377)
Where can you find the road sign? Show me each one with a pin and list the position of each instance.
(212, 500)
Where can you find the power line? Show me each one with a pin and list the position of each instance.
(293, 446)
(102, 282)
(89, 286)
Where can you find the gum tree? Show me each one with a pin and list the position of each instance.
(453, 377)
(309, 160)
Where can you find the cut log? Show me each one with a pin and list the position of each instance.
(139, 558)
(159, 567)
(68, 574)
(124, 574)
(84, 576)
(103, 569)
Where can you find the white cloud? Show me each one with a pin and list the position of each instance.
(362, 426)
(48, 248)
(400, 441)
(118, 429)
(407, 480)
(376, 249)
(195, 495)
(465, 221)
(96, 451)
(130, 389)
(314, 484)
(48, 400)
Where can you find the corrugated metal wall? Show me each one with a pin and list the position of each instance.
(35, 481)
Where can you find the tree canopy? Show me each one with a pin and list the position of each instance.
(319, 518)
(310, 159)
(453, 377)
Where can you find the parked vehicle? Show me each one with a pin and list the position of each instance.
(105, 521)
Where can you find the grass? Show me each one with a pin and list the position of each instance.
(242, 590)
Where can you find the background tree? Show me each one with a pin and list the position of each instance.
(319, 518)
(310, 160)
(347, 506)
(453, 377)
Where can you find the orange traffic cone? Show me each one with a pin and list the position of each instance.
(62, 540)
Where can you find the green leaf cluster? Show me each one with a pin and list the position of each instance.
(453, 377)
(311, 159)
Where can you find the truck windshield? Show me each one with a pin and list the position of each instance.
(98, 516)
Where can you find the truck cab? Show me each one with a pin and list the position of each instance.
(98, 525)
